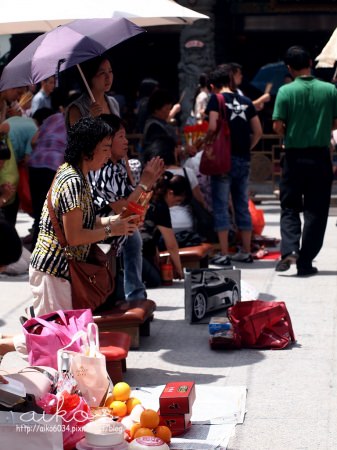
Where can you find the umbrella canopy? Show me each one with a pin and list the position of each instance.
(273, 73)
(328, 56)
(17, 17)
(64, 47)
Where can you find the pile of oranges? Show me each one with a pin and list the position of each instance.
(149, 425)
(121, 405)
(120, 401)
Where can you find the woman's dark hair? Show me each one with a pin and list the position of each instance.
(114, 121)
(91, 66)
(170, 182)
(83, 137)
(162, 146)
(10, 244)
(42, 114)
(158, 99)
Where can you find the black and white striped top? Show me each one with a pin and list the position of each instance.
(70, 190)
(108, 185)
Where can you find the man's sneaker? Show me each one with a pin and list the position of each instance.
(221, 260)
(242, 257)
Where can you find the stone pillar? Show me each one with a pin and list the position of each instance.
(196, 52)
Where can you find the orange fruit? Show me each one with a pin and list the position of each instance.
(134, 428)
(131, 403)
(163, 432)
(121, 391)
(118, 408)
(143, 431)
(109, 400)
(149, 418)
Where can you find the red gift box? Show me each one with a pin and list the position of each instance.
(177, 398)
(175, 421)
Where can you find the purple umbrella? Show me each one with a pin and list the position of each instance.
(65, 46)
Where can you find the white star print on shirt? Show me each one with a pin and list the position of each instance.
(237, 109)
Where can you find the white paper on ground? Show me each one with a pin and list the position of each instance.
(248, 292)
(216, 412)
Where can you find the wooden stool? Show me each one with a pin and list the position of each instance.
(132, 317)
(195, 257)
(115, 345)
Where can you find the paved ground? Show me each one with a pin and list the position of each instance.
(292, 396)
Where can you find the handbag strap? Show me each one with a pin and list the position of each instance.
(51, 326)
(222, 106)
(59, 233)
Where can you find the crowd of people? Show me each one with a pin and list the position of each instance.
(78, 152)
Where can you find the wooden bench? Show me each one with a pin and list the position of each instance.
(115, 345)
(192, 257)
(132, 317)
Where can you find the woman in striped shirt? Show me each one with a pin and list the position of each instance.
(88, 148)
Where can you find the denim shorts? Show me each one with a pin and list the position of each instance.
(236, 184)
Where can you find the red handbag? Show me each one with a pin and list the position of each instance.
(216, 157)
(261, 324)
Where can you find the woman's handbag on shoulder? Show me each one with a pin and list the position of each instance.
(216, 156)
(92, 281)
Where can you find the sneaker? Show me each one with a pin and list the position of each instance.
(242, 257)
(221, 260)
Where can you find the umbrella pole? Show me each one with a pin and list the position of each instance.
(86, 83)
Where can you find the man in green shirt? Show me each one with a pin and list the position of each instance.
(305, 112)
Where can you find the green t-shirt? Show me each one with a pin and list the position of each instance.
(308, 107)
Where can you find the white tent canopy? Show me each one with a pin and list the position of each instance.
(22, 16)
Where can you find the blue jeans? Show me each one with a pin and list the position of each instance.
(132, 257)
(236, 184)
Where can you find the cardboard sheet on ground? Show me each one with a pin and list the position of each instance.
(216, 412)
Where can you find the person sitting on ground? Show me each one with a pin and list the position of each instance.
(181, 214)
(169, 190)
(9, 179)
(112, 189)
(10, 252)
(88, 148)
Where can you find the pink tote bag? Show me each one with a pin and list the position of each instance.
(50, 332)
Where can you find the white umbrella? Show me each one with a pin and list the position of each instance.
(23, 16)
(328, 56)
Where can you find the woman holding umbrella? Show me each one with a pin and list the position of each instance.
(98, 73)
